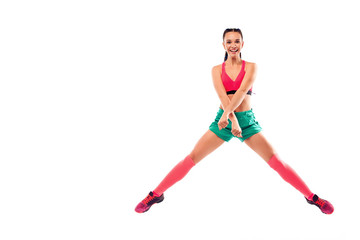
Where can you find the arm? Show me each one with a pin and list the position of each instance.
(220, 90)
(225, 102)
(240, 94)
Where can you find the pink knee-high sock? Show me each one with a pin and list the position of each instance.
(289, 175)
(175, 175)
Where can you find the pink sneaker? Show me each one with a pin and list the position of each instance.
(325, 206)
(145, 204)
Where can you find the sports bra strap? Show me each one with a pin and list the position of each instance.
(242, 65)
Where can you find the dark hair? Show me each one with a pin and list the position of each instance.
(231, 30)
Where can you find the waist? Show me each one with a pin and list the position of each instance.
(234, 91)
(250, 111)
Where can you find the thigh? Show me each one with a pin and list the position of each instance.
(261, 146)
(206, 144)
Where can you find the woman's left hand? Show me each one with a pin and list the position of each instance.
(223, 122)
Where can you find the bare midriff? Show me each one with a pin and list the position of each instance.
(244, 106)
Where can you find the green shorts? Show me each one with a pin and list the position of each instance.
(247, 122)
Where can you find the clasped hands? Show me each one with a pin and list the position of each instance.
(235, 128)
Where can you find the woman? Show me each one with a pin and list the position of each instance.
(233, 81)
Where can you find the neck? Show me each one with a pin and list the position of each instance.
(232, 61)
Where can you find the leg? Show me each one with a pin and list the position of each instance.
(261, 146)
(207, 143)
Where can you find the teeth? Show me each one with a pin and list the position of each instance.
(233, 50)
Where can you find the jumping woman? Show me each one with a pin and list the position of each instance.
(233, 81)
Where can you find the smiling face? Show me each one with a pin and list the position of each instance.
(233, 44)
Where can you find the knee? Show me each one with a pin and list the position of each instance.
(275, 162)
(194, 157)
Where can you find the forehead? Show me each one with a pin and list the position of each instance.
(232, 36)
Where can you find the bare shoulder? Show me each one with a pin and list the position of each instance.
(217, 68)
(250, 65)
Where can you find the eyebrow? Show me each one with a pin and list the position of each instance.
(235, 39)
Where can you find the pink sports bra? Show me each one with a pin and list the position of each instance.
(230, 85)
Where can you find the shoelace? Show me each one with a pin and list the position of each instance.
(148, 199)
(320, 202)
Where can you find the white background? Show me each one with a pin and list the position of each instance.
(100, 99)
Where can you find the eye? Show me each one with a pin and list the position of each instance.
(237, 41)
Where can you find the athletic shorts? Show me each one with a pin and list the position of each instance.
(248, 124)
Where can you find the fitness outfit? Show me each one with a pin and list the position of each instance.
(249, 127)
(247, 122)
